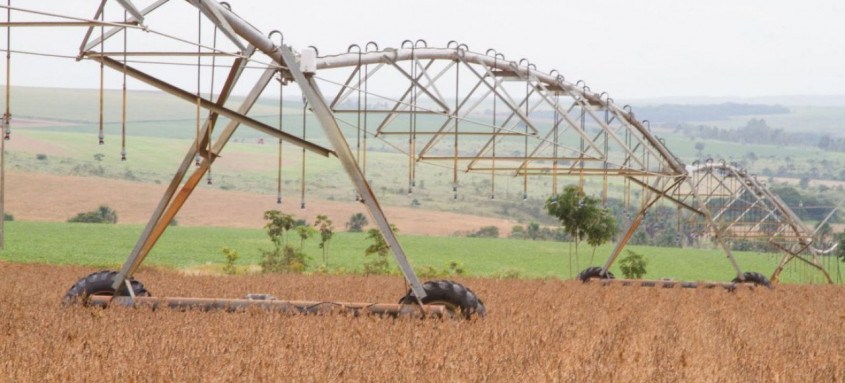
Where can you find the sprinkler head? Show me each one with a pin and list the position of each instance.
(279, 200)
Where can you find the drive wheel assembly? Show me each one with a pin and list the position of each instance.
(459, 300)
(100, 283)
(594, 272)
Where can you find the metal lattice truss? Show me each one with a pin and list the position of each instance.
(475, 113)
(542, 125)
(739, 207)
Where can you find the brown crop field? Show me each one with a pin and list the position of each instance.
(535, 331)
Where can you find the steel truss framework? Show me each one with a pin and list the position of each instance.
(437, 103)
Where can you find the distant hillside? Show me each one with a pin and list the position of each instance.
(676, 113)
(787, 100)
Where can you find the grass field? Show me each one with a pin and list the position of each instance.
(198, 249)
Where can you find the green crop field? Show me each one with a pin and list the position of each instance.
(198, 249)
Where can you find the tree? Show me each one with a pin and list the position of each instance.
(324, 225)
(283, 257)
(582, 218)
(305, 232)
(633, 266)
(533, 230)
(804, 182)
(278, 225)
(699, 148)
(840, 250)
(602, 231)
(379, 248)
(357, 222)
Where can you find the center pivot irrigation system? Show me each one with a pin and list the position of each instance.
(433, 105)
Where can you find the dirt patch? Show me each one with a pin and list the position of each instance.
(45, 197)
(26, 144)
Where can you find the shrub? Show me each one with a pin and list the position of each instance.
(8, 217)
(41, 157)
(283, 260)
(518, 231)
(508, 273)
(633, 266)
(283, 257)
(486, 232)
(231, 257)
(356, 223)
(103, 214)
(453, 268)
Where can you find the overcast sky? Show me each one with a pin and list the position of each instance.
(632, 49)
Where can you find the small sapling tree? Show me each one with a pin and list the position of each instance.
(231, 257)
(283, 257)
(324, 226)
(379, 249)
(633, 266)
(582, 218)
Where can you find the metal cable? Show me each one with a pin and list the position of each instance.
(199, 83)
(302, 196)
(281, 125)
(123, 113)
(102, 72)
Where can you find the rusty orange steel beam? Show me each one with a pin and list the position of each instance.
(172, 209)
(273, 305)
(668, 284)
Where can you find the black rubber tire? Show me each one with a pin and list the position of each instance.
(755, 278)
(594, 272)
(100, 283)
(453, 294)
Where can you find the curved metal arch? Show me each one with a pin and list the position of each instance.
(744, 186)
(543, 83)
(743, 193)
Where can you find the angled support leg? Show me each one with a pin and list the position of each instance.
(651, 199)
(324, 115)
(168, 205)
